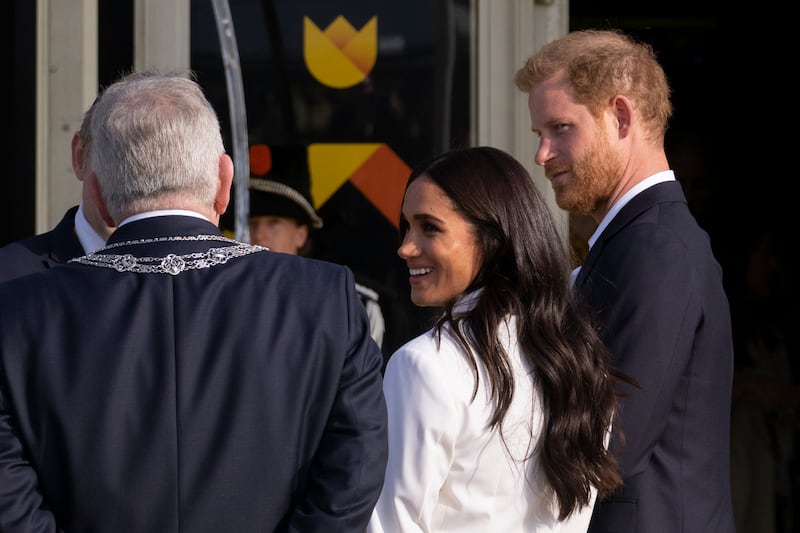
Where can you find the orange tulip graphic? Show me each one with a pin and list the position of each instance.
(340, 56)
(373, 168)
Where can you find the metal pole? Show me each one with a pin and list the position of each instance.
(236, 104)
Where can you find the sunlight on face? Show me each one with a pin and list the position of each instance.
(574, 147)
(594, 172)
(279, 234)
(440, 247)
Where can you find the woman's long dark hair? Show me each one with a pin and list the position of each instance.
(525, 273)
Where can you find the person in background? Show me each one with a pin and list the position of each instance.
(599, 104)
(81, 230)
(499, 415)
(181, 380)
(282, 216)
(766, 394)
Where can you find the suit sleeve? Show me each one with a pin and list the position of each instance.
(350, 464)
(22, 507)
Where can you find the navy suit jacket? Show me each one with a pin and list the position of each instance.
(40, 252)
(244, 396)
(656, 290)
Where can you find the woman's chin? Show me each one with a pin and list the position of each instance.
(420, 299)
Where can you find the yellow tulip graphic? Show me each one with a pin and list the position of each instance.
(340, 56)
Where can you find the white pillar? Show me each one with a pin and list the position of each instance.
(162, 35)
(506, 33)
(66, 84)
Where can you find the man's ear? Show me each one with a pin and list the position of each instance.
(223, 196)
(77, 156)
(90, 181)
(623, 113)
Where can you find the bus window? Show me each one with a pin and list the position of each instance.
(371, 88)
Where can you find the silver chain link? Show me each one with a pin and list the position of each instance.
(172, 263)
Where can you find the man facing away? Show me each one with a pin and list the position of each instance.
(600, 103)
(81, 230)
(177, 380)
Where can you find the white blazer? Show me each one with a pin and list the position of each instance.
(447, 472)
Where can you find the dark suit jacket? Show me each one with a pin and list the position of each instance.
(241, 397)
(657, 293)
(40, 252)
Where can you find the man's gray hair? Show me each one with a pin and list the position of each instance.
(156, 144)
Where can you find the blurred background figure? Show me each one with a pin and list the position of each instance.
(281, 212)
(766, 395)
(282, 215)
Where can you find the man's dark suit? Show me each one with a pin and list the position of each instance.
(240, 397)
(40, 252)
(657, 292)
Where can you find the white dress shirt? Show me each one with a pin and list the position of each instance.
(447, 471)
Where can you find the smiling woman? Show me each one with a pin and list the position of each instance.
(509, 373)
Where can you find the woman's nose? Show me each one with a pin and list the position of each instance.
(407, 248)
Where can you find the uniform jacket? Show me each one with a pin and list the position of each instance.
(657, 292)
(240, 394)
(40, 252)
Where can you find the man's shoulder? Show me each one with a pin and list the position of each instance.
(32, 245)
(24, 256)
(39, 252)
(298, 268)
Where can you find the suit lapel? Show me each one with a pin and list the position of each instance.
(668, 191)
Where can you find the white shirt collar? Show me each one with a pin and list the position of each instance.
(466, 301)
(658, 177)
(90, 240)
